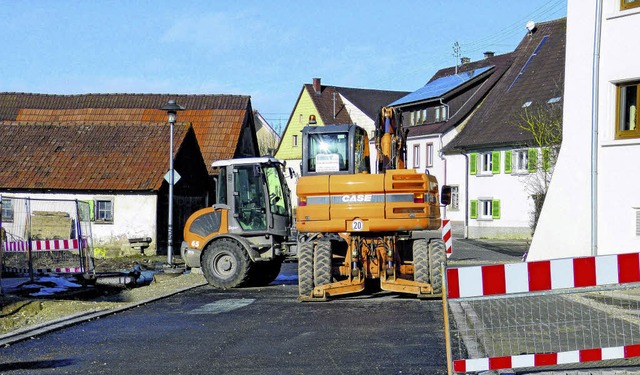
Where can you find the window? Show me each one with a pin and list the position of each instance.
(520, 161)
(455, 198)
(295, 140)
(441, 113)
(416, 156)
(104, 210)
(412, 118)
(7, 210)
(429, 155)
(484, 164)
(485, 209)
(628, 4)
(627, 111)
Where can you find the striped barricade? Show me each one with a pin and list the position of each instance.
(40, 245)
(447, 236)
(545, 313)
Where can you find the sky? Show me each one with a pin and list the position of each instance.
(266, 49)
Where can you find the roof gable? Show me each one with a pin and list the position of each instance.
(70, 156)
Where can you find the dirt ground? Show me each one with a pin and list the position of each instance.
(19, 310)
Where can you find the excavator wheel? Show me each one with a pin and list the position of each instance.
(437, 255)
(226, 264)
(322, 263)
(305, 268)
(421, 260)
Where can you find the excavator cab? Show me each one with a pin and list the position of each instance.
(334, 149)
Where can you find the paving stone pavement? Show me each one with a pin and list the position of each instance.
(545, 322)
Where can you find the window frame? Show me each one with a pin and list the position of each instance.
(620, 106)
(624, 5)
(97, 217)
(428, 152)
(7, 218)
(520, 161)
(294, 141)
(486, 164)
(416, 156)
(455, 198)
(485, 205)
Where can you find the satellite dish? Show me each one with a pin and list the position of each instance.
(530, 26)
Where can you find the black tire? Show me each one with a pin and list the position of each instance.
(421, 260)
(226, 264)
(322, 263)
(305, 268)
(437, 255)
(264, 273)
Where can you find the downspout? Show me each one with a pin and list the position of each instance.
(595, 78)
(466, 195)
(444, 161)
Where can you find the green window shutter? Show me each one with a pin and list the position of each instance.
(533, 160)
(473, 163)
(495, 162)
(495, 209)
(508, 161)
(474, 209)
(546, 159)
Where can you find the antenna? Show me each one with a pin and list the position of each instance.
(456, 54)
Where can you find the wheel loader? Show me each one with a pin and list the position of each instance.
(245, 236)
(356, 227)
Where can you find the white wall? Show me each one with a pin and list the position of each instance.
(134, 215)
(564, 229)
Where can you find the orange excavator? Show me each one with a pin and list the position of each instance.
(354, 225)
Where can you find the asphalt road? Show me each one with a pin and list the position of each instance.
(258, 331)
(246, 331)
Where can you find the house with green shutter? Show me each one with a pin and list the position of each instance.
(505, 166)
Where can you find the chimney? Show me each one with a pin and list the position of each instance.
(316, 86)
(488, 54)
(465, 60)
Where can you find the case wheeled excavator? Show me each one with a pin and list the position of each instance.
(355, 226)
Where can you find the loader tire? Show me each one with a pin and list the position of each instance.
(226, 264)
(421, 261)
(305, 268)
(322, 263)
(437, 255)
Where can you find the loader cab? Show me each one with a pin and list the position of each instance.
(256, 193)
(334, 149)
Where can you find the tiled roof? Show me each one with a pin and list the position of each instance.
(370, 102)
(325, 104)
(217, 119)
(460, 107)
(536, 75)
(70, 156)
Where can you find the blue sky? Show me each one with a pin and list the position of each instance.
(263, 48)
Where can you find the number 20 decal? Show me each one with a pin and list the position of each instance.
(357, 225)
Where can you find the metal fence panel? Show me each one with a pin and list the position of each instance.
(46, 235)
(551, 313)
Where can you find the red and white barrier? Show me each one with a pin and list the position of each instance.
(44, 270)
(546, 359)
(540, 276)
(446, 236)
(44, 245)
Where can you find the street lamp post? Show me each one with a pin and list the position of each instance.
(172, 109)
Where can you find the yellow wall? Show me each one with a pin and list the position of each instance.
(298, 120)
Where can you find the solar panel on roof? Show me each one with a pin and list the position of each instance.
(441, 86)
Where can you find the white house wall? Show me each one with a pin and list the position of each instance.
(134, 216)
(564, 229)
